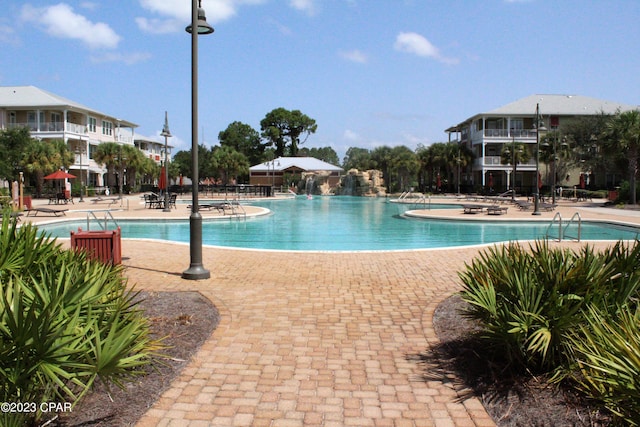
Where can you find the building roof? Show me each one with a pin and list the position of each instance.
(553, 105)
(33, 97)
(304, 163)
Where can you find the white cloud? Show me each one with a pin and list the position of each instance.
(160, 26)
(177, 13)
(283, 29)
(128, 59)
(61, 21)
(307, 6)
(355, 56)
(350, 135)
(417, 44)
(8, 36)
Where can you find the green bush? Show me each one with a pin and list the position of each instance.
(65, 321)
(607, 351)
(527, 301)
(573, 314)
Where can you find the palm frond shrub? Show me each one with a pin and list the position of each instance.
(607, 351)
(65, 321)
(528, 299)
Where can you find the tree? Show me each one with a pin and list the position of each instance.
(403, 168)
(282, 126)
(585, 138)
(514, 154)
(431, 162)
(229, 163)
(244, 139)
(13, 143)
(109, 155)
(39, 160)
(133, 162)
(182, 161)
(381, 160)
(623, 134)
(326, 154)
(357, 158)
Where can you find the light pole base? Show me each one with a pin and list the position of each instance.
(196, 272)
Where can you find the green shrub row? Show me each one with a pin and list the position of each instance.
(65, 322)
(572, 315)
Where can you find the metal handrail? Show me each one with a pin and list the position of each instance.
(551, 224)
(562, 231)
(575, 215)
(107, 217)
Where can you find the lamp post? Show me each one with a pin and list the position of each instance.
(514, 165)
(196, 270)
(538, 126)
(80, 152)
(166, 133)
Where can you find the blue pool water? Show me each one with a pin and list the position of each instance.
(344, 224)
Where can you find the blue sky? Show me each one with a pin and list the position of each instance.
(370, 72)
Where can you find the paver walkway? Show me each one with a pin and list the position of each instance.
(313, 339)
(310, 339)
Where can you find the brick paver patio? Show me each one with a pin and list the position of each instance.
(310, 339)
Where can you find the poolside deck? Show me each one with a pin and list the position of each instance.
(314, 339)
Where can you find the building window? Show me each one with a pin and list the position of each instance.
(517, 124)
(56, 122)
(31, 120)
(107, 128)
(91, 124)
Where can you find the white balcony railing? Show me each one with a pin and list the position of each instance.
(51, 127)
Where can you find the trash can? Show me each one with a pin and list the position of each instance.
(103, 245)
(26, 202)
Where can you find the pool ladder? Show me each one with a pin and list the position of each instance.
(563, 230)
(107, 217)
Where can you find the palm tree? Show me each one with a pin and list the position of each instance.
(38, 161)
(514, 154)
(623, 132)
(108, 154)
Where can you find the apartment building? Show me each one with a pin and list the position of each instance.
(485, 134)
(52, 117)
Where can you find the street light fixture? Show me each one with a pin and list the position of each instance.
(196, 270)
(166, 133)
(538, 127)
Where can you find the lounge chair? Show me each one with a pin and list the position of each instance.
(472, 209)
(46, 211)
(497, 210)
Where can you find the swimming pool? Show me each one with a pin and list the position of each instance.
(344, 224)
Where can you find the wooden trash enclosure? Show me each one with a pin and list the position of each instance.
(104, 245)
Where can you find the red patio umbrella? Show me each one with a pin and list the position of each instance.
(60, 174)
(162, 183)
(490, 180)
(582, 181)
(438, 182)
(539, 180)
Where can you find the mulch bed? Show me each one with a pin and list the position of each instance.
(186, 319)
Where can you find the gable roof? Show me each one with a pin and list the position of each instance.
(561, 105)
(33, 97)
(304, 163)
(552, 105)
